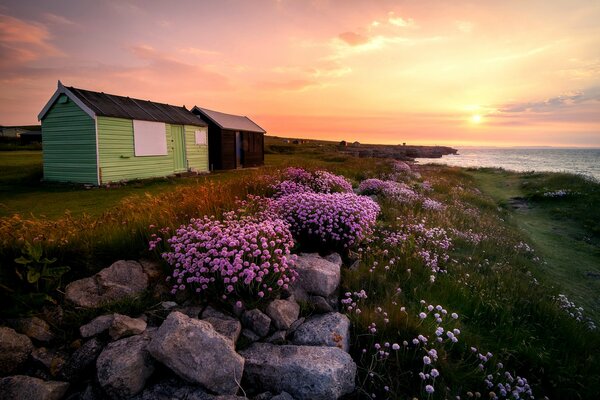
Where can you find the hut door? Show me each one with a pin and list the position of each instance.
(178, 144)
(238, 150)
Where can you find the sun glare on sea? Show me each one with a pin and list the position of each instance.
(476, 119)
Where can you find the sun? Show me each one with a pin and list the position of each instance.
(476, 119)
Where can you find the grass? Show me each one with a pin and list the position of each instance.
(503, 293)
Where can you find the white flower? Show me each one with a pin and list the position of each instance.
(422, 315)
(454, 315)
(426, 360)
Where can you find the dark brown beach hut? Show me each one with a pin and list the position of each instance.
(234, 141)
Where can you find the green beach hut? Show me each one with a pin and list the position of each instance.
(98, 138)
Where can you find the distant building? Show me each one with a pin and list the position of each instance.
(16, 131)
(98, 138)
(234, 141)
(356, 144)
(343, 143)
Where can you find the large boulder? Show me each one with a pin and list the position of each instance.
(121, 280)
(124, 366)
(305, 372)
(332, 329)
(15, 349)
(230, 328)
(122, 326)
(35, 328)
(21, 387)
(283, 313)
(197, 353)
(81, 360)
(316, 276)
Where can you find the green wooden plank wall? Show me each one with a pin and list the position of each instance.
(69, 144)
(197, 154)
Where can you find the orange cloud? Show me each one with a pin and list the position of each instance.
(353, 38)
(22, 41)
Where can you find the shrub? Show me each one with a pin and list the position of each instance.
(390, 189)
(299, 180)
(328, 221)
(238, 259)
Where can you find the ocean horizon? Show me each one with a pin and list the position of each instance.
(580, 161)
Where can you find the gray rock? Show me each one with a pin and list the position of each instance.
(197, 353)
(295, 325)
(257, 321)
(173, 389)
(51, 360)
(122, 280)
(283, 313)
(319, 304)
(190, 311)
(122, 326)
(277, 337)
(35, 328)
(152, 268)
(96, 326)
(81, 360)
(332, 329)
(334, 258)
(15, 349)
(167, 305)
(250, 336)
(228, 327)
(212, 312)
(316, 276)
(21, 387)
(305, 372)
(283, 396)
(124, 366)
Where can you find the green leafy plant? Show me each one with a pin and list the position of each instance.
(35, 268)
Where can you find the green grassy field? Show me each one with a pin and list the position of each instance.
(503, 293)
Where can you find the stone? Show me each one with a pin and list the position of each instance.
(316, 276)
(190, 311)
(250, 336)
(277, 338)
(295, 325)
(173, 389)
(122, 280)
(52, 360)
(81, 360)
(197, 353)
(96, 326)
(332, 329)
(168, 305)
(21, 387)
(212, 312)
(305, 372)
(229, 327)
(124, 366)
(122, 326)
(334, 258)
(15, 349)
(153, 269)
(283, 396)
(35, 328)
(319, 304)
(257, 321)
(283, 313)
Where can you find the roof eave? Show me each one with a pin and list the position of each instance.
(61, 89)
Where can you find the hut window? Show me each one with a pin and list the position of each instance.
(201, 138)
(149, 138)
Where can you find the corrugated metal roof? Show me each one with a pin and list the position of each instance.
(229, 121)
(110, 105)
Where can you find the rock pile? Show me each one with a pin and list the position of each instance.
(195, 352)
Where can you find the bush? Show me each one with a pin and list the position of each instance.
(328, 221)
(299, 180)
(392, 190)
(238, 259)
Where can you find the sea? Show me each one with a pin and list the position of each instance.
(578, 161)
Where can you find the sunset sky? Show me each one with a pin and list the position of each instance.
(422, 72)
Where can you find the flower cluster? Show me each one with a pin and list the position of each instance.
(337, 220)
(468, 236)
(233, 257)
(299, 180)
(558, 193)
(433, 205)
(401, 166)
(574, 312)
(393, 190)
